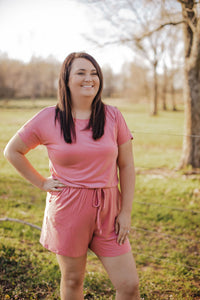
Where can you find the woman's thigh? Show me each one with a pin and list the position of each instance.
(121, 270)
(72, 268)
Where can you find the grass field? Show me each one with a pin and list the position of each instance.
(165, 216)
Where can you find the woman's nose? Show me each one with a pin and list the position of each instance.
(88, 77)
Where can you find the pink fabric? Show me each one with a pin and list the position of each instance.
(86, 163)
(83, 214)
(80, 218)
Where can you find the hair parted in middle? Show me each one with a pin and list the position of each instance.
(64, 105)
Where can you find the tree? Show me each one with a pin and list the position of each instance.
(135, 82)
(172, 67)
(109, 81)
(191, 31)
(38, 78)
(129, 24)
(10, 77)
(190, 20)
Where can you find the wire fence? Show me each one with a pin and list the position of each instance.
(195, 212)
(155, 258)
(166, 260)
(174, 237)
(166, 133)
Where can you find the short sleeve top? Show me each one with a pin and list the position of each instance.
(85, 163)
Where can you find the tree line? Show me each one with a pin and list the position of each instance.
(35, 79)
(39, 78)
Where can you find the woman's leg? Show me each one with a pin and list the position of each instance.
(72, 276)
(123, 274)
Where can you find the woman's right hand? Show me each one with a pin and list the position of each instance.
(52, 185)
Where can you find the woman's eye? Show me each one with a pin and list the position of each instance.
(92, 74)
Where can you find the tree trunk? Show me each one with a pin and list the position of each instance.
(155, 92)
(191, 141)
(173, 94)
(164, 89)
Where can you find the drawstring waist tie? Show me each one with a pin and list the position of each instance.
(98, 202)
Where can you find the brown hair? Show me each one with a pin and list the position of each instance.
(64, 105)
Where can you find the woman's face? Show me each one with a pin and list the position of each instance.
(83, 79)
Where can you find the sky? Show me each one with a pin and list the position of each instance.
(54, 27)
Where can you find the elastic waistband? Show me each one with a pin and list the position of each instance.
(90, 188)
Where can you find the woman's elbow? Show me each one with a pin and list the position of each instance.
(14, 148)
(8, 152)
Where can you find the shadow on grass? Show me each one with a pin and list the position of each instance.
(21, 275)
(25, 275)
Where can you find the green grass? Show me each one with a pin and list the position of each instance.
(165, 241)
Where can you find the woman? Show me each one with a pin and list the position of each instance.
(87, 142)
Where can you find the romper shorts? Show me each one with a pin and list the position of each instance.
(76, 219)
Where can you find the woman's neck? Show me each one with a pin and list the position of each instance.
(81, 108)
(80, 113)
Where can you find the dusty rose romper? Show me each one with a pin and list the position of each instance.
(83, 214)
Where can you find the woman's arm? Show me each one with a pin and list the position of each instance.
(127, 185)
(15, 152)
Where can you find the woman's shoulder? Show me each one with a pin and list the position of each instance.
(111, 111)
(46, 112)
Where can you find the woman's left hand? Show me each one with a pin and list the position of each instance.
(122, 226)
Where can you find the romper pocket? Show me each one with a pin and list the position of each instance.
(57, 203)
(54, 196)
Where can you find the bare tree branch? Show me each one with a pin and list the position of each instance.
(159, 28)
(134, 38)
(185, 2)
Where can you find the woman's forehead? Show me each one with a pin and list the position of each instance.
(82, 63)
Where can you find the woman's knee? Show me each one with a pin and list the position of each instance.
(72, 270)
(72, 280)
(129, 287)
